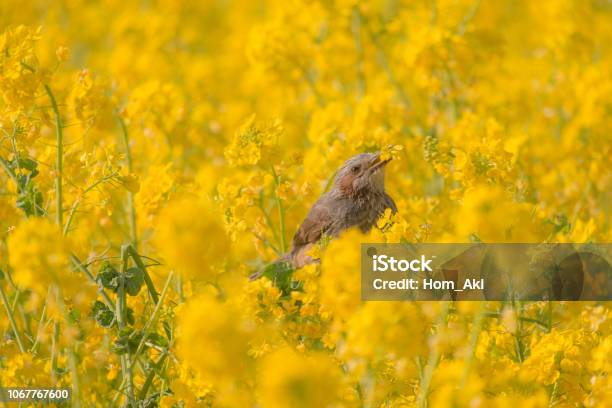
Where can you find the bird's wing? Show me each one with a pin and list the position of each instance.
(389, 203)
(317, 222)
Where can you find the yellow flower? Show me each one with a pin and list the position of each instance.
(155, 189)
(384, 334)
(500, 116)
(130, 182)
(290, 379)
(20, 77)
(340, 282)
(214, 338)
(91, 101)
(191, 238)
(38, 254)
(253, 142)
(492, 215)
(391, 152)
(21, 369)
(62, 53)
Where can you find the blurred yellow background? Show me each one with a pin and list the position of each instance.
(162, 151)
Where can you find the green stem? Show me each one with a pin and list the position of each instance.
(281, 212)
(356, 29)
(131, 208)
(468, 17)
(520, 348)
(126, 141)
(12, 321)
(121, 313)
(59, 157)
(148, 281)
(549, 316)
(121, 299)
(474, 334)
(179, 288)
(54, 351)
(74, 383)
(162, 387)
(432, 361)
(118, 392)
(153, 319)
(73, 209)
(553, 394)
(9, 171)
(72, 360)
(16, 307)
(267, 218)
(131, 251)
(77, 202)
(41, 323)
(143, 392)
(79, 265)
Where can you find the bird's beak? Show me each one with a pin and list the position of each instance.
(376, 163)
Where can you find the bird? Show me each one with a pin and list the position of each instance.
(357, 198)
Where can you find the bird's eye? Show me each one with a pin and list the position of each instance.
(355, 169)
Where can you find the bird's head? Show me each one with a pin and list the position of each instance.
(361, 173)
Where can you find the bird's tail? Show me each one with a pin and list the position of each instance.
(283, 260)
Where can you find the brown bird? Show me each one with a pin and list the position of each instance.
(356, 199)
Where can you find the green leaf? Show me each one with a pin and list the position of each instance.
(127, 340)
(130, 316)
(74, 316)
(108, 277)
(280, 274)
(27, 164)
(134, 279)
(150, 402)
(157, 339)
(102, 314)
(29, 199)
